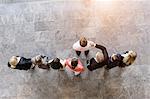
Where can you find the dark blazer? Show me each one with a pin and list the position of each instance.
(93, 64)
(56, 65)
(24, 64)
(107, 60)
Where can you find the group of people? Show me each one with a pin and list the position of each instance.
(73, 66)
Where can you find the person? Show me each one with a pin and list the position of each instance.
(102, 59)
(73, 67)
(122, 60)
(83, 45)
(56, 63)
(22, 63)
(41, 61)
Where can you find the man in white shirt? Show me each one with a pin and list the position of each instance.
(83, 45)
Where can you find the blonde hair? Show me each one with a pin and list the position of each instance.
(13, 61)
(83, 41)
(99, 57)
(130, 58)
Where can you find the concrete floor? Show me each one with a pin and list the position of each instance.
(50, 27)
(130, 83)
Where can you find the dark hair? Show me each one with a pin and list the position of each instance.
(74, 62)
(55, 64)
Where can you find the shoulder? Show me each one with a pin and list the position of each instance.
(66, 61)
(76, 44)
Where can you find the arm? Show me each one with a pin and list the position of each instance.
(112, 64)
(104, 51)
(115, 60)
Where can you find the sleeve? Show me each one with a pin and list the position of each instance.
(104, 51)
(113, 64)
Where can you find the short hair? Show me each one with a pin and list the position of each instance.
(74, 62)
(83, 41)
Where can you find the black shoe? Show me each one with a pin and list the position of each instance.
(78, 53)
(86, 53)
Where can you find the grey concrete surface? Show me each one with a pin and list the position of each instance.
(50, 27)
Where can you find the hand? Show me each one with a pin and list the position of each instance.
(92, 44)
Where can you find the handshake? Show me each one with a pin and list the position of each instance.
(92, 44)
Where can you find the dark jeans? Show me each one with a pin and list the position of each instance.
(85, 52)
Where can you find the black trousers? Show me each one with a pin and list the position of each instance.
(85, 52)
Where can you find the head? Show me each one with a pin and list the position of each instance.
(14, 60)
(99, 57)
(74, 62)
(83, 41)
(129, 57)
(39, 60)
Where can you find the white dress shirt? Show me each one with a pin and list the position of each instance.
(78, 47)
